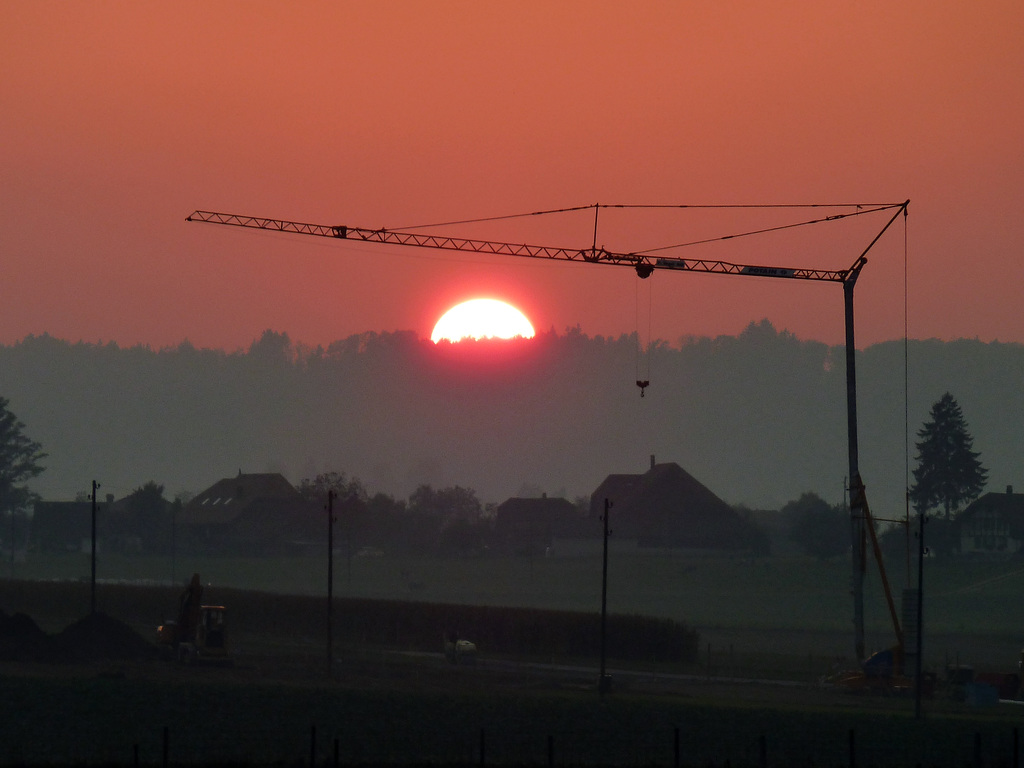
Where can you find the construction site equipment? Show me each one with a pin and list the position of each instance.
(198, 633)
(645, 263)
(884, 670)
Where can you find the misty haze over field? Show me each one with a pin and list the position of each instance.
(759, 418)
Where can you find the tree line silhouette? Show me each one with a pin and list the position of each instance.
(759, 417)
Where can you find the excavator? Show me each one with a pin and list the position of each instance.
(198, 634)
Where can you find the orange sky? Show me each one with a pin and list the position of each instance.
(117, 119)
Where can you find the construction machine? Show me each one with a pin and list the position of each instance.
(198, 633)
(884, 670)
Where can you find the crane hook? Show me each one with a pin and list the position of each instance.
(643, 385)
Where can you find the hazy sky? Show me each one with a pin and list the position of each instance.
(117, 119)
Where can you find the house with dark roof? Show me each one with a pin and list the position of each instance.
(992, 525)
(529, 526)
(667, 507)
(66, 526)
(251, 514)
(61, 526)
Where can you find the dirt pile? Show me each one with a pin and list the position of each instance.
(21, 639)
(96, 636)
(99, 636)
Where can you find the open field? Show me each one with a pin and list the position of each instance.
(783, 605)
(767, 620)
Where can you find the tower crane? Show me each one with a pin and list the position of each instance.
(644, 263)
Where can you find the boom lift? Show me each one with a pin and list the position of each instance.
(644, 263)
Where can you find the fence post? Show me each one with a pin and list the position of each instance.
(135, 755)
(166, 739)
(1015, 762)
(675, 748)
(336, 763)
(483, 749)
(977, 749)
(762, 748)
(551, 751)
(853, 749)
(312, 746)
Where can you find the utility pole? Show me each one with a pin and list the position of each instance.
(174, 540)
(10, 520)
(920, 612)
(330, 581)
(92, 604)
(604, 684)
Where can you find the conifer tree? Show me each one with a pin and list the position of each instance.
(949, 473)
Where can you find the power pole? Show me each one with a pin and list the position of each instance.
(330, 580)
(92, 604)
(921, 550)
(10, 520)
(174, 540)
(604, 683)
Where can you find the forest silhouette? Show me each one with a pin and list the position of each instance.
(759, 418)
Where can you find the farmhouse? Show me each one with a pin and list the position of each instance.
(250, 514)
(530, 525)
(61, 526)
(667, 507)
(130, 525)
(993, 525)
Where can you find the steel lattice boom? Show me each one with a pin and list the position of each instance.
(642, 263)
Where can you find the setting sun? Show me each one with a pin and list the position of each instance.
(480, 319)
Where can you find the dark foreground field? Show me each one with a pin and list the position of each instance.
(394, 703)
(399, 712)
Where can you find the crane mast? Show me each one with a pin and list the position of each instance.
(645, 264)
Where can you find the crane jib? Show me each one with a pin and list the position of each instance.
(643, 264)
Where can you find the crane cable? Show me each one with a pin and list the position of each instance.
(643, 357)
(860, 209)
(763, 231)
(906, 390)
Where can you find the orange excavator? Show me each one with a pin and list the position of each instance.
(198, 633)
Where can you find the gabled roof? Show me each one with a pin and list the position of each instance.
(661, 483)
(668, 483)
(226, 499)
(1009, 506)
(618, 489)
(667, 506)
